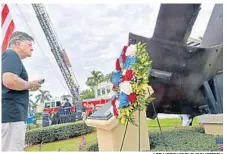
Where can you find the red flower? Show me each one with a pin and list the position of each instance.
(118, 65)
(124, 54)
(123, 78)
(124, 49)
(132, 97)
(123, 58)
(115, 111)
(114, 87)
(129, 75)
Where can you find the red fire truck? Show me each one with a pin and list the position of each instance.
(53, 106)
(90, 103)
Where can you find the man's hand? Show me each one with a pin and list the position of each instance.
(14, 82)
(34, 85)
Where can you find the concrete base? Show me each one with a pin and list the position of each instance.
(213, 123)
(110, 134)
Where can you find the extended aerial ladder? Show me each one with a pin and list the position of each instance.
(58, 52)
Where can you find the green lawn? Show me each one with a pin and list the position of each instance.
(73, 143)
(65, 145)
(169, 122)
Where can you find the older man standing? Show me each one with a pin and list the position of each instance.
(15, 91)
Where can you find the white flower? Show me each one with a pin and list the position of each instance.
(126, 87)
(123, 72)
(117, 104)
(112, 110)
(131, 50)
(121, 64)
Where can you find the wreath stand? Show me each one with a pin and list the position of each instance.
(113, 136)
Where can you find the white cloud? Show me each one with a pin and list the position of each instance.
(92, 35)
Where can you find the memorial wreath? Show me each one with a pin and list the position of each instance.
(130, 82)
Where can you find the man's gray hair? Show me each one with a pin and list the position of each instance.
(19, 37)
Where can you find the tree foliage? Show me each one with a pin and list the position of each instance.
(43, 96)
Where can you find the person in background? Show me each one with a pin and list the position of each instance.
(46, 120)
(15, 91)
(84, 111)
(61, 109)
(67, 106)
(33, 114)
(94, 108)
(72, 109)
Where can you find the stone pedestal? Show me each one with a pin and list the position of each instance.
(213, 123)
(110, 134)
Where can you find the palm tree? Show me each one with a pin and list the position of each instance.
(86, 94)
(95, 78)
(43, 96)
(31, 105)
(108, 77)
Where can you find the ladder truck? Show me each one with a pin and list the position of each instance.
(58, 52)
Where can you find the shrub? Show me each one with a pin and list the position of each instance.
(185, 139)
(93, 147)
(38, 116)
(56, 132)
(198, 129)
(190, 139)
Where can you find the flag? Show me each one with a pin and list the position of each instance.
(7, 26)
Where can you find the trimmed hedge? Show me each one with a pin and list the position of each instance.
(93, 147)
(181, 139)
(56, 132)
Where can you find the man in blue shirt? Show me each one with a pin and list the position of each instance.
(15, 91)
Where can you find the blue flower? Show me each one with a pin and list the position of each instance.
(116, 76)
(123, 100)
(129, 62)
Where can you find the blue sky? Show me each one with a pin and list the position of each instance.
(91, 34)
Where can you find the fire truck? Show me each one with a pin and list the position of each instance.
(95, 102)
(103, 93)
(52, 107)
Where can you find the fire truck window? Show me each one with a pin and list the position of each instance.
(108, 89)
(98, 92)
(53, 104)
(47, 105)
(58, 103)
(103, 91)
